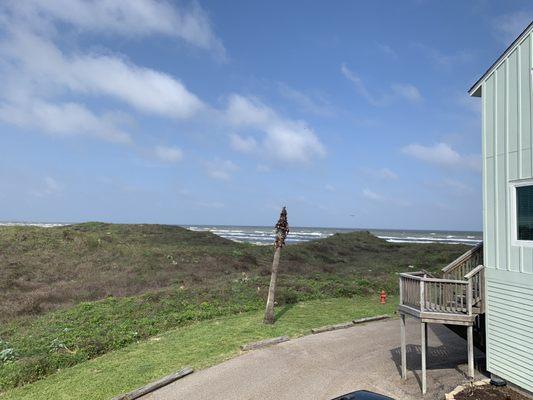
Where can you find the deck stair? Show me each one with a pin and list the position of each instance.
(455, 299)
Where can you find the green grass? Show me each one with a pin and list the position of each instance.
(199, 345)
(70, 294)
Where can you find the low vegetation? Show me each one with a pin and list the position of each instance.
(199, 345)
(69, 294)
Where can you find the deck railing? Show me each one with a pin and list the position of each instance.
(467, 262)
(452, 294)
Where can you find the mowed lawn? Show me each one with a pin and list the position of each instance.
(198, 345)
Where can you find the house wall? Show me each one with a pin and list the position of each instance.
(507, 157)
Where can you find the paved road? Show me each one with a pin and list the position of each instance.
(326, 365)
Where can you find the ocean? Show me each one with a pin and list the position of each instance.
(263, 235)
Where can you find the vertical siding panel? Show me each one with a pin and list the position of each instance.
(525, 131)
(489, 235)
(500, 150)
(488, 177)
(512, 104)
(512, 151)
(489, 117)
(514, 251)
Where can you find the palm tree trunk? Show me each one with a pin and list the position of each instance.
(269, 311)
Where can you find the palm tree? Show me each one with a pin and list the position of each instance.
(282, 230)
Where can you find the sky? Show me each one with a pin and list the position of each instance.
(351, 114)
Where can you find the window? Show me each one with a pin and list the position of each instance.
(524, 212)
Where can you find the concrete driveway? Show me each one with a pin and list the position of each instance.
(326, 365)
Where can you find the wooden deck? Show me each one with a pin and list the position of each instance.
(457, 298)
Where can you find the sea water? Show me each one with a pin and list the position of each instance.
(263, 235)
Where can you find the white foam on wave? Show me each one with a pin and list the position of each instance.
(37, 224)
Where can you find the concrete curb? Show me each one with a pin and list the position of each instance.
(345, 325)
(335, 327)
(154, 385)
(460, 388)
(264, 343)
(370, 319)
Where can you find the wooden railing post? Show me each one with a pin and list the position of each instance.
(401, 291)
(469, 295)
(422, 296)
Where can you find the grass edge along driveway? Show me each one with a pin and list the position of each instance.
(198, 345)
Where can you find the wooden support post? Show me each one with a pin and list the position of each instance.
(470, 344)
(403, 346)
(423, 348)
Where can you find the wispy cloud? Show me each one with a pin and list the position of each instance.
(382, 199)
(442, 154)
(387, 50)
(310, 104)
(133, 19)
(62, 119)
(397, 91)
(36, 75)
(385, 173)
(283, 139)
(456, 187)
(379, 173)
(221, 170)
(508, 26)
(168, 154)
(442, 59)
(370, 194)
(48, 187)
(243, 144)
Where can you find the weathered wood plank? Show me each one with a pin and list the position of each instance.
(264, 343)
(403, 347)
(335, 327)
(154, 385)
(370, 319)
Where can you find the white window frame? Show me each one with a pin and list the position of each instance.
(514, 228)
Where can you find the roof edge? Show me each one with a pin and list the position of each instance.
(475, 90)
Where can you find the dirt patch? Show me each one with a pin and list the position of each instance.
(489, 392)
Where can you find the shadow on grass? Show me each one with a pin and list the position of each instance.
(282, 311)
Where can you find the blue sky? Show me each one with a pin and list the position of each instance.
(352, 114)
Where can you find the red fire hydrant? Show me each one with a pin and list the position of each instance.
(383, 297)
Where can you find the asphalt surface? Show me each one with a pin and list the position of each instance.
(327, 365)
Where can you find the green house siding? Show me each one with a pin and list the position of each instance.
(507, 156)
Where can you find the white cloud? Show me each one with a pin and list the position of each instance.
(64, 119)
(441, 59)
(407, 92)
(243, 144)
(397, 91)
(508, 26)
(369, 194)
(380, 198)
(386, 49)
(220, 169)
(39, 61)
(168, 154)
(283, 139)
(48, 187)
(129, 18)
(443, 155)
(329, 188)
(317, 106)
